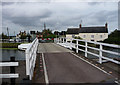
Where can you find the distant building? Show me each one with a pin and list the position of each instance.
(21, 33)
(57, 33)
(33, 35)
(63, 33)
(98, 33)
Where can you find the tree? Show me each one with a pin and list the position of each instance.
(47, 33)
(113, 38)
(23, 36)
(3, 36)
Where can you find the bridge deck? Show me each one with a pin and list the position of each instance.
(51, 47)
(64, 67)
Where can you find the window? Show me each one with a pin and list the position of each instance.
(92, 36)
(84, 36)
(101, 36)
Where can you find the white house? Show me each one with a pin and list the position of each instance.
(98, 33)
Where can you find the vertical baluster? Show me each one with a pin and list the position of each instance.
(86, 48)
(76, 46)
(100, 54)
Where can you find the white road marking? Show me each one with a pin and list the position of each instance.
(45, 70)
(90, 63)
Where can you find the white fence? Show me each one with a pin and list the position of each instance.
(31, 58)
(12, 75)
(70, 44)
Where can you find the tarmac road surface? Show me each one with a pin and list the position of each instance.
(64, 67)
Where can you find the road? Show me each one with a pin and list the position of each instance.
(64, 67)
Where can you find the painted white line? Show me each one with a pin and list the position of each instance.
(45, 70)
(90, 63)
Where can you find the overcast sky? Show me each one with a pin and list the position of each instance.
(20, 16)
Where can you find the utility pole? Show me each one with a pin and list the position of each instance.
(8, 33)
(14, 33)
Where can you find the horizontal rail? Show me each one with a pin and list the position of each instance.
(9, 75)
(81, 45)
(31, 58)
(81, 50)
(93, 48)
(105, 44)
(77, 46)
(111, 52)
(9, 63)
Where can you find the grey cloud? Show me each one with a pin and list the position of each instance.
(56, 16)
(94, 3)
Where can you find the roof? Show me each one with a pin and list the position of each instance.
(73, 31)
(93, 30)
(87, 30)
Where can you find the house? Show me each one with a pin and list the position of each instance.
(21, 33)
(98, 33)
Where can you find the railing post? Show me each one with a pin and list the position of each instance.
(76, 46)
(12, 70)
(86, 48)
(63, 40)
(27, 62)
(60, 40)
(71, 43)
(100, 54)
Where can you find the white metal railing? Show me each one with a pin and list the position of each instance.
(65, 43)
(12, 75)
(31, 58)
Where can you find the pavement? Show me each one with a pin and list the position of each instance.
(64, 67)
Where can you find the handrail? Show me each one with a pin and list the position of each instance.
(100, 49)
(11, 75)
(30, 53)
(9, 64)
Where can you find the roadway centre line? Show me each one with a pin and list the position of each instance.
(45, 70)
(90, 63)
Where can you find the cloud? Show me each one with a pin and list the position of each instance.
(57, 16)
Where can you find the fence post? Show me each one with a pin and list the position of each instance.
(12, 70)
(86, 48)
(27, 62)
(63, 39)
(60, 40)
(100, 54)
(76, 46)
(71, 43)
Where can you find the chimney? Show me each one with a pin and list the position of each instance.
(106, 25)
(80, 26)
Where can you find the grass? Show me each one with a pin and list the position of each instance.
(10, 45)
(9, 48)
